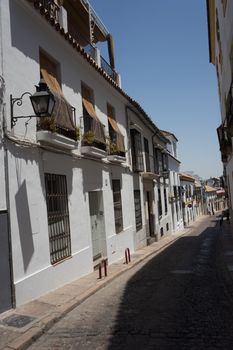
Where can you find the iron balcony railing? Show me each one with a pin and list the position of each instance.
(49, 125)
(108, 69)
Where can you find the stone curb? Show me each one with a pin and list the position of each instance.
(44, 324)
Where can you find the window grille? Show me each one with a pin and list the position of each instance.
(158, 164)
(58, 217)
(138, 210)
(147, 155)
(137, 156)
(165, 200)
(116, 188)
(159, 203)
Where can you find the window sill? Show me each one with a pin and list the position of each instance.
(149, 176)
(54, 139)
(114, 158)
(92, 151)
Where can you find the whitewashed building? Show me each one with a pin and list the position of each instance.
(174, 183)
(220, 30)
(187, 183)
(84, 180)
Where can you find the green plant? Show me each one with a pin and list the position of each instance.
(77, 133)
(113, 149)
(48, 124)
(88, 137)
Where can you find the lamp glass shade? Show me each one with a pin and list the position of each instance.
(43, 103)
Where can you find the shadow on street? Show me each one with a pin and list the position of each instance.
(177, 300)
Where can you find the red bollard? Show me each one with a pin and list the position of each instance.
(103, 264)
(127, 256)
(100, 270)
(105, 268)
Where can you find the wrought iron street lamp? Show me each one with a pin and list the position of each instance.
(42, 101)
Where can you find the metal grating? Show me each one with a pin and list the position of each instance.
(116, 188)
(17, 321)
(58, 217)
(138, 210)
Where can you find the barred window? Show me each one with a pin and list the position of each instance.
(136, 149)
(158, 162)
(165, 200)
(138, 210)
(58, 217)
(116, 188)
(147, 154)
(160, 211)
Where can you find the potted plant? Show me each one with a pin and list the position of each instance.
(88, 138)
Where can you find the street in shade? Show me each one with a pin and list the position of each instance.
(177, 299)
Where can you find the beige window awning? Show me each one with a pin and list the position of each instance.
(62, 113)
(112, 121)
(95, 126)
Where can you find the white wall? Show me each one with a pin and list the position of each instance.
(33, 272)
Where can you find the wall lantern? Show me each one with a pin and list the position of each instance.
(42, 101)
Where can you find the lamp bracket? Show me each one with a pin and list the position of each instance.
(18, 101)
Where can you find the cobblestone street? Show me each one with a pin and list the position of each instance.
(178, 299)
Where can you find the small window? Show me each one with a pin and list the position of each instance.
(165, 162)
(161, 232)
(63, 116)
(147, 154)
(49, 71)
(136, 149)
(167, 226)
(177, 211)
(93, 129)
(116, 188)
(58, 217)
(138, 210)
(165, 200)
(158, 163)
(159, 203)
(116, 139)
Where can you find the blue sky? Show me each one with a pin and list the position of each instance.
(161, 52)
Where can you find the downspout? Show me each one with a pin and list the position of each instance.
(3, 125)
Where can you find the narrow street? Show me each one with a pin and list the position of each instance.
(175, 300)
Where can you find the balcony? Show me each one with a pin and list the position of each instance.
(148, 174)
(116, 148)
(93, 152)
(50, 131)
(93, 140)
(108, 69)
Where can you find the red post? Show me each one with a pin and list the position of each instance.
(126, 256)
(129, 258)
(105, 268)
(100, 270)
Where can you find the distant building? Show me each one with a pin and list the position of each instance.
(187, 183)
(174, 183)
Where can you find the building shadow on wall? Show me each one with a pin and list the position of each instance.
(169, 303)
(24, 224)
